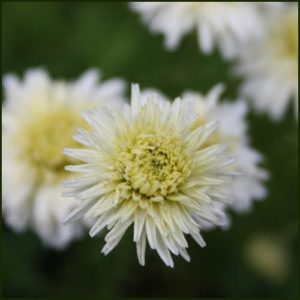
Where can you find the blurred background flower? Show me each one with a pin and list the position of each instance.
(226, 25)
(268, 256)
(68, 38)
(40, 117)
(270, 64)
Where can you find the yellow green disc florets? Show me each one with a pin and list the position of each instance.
(155, 165)
(43, 139)
(284, 38)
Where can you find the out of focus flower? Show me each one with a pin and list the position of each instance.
(222, 24)
(270, 65)
(146, 165)
(268, 256)
(233, 132)
(40, 117)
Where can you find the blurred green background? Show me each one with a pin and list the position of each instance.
(255, 257)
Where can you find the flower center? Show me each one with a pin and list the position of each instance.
(285, 40)
(43, 137)
(292, 42)
(155, 165)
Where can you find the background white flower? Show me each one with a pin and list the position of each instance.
(270, 64)
(222, 24)
(40, 116)
(146, 165)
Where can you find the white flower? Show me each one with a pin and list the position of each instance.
(40, 117)
(145, 165)
(270, 65)
(222, 24)
(233, 132)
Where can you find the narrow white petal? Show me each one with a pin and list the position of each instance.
(198, 238)
(141, 248)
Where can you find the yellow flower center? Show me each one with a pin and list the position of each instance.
(154, 165)
(284, 39)
(43, 137)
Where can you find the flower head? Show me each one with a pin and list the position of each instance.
(145, 165)
(222, 24)
(270, 65)
(39, 119)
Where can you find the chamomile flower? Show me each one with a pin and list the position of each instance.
(146, 165)
(233, 132)
(222, 24)
(39, 117)
(270, 65)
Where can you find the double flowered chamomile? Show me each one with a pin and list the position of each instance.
(270, 64)
(39, 118)
(146, 165)
(226, 25)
